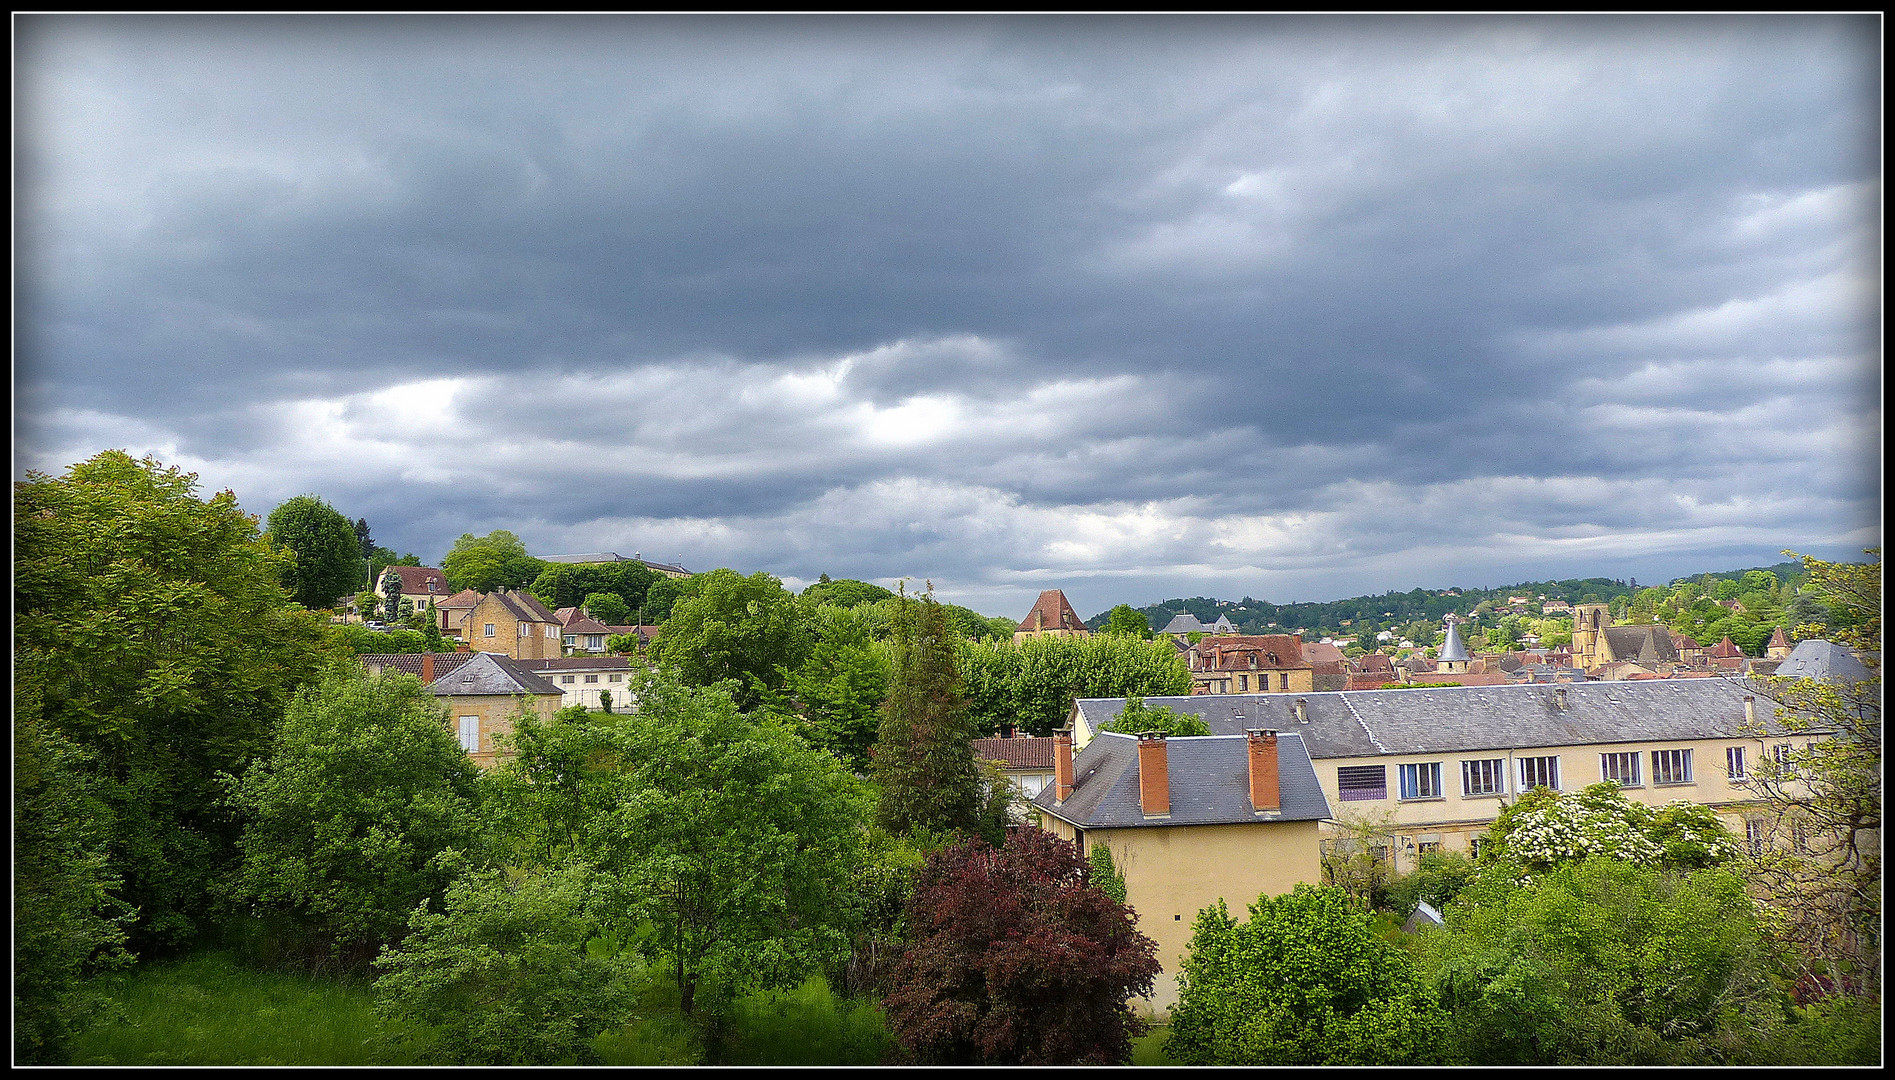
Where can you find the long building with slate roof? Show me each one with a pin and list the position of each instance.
(1189, 822)
(1440, 762)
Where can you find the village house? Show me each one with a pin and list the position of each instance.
(419, 586)
(580, 632)
(454, 610)
(1249, 663)
(514, 623)
(1051, 616)
(482, 692)
(1189, 821)
(1027, 761)
(1439, 763)
(581, 679)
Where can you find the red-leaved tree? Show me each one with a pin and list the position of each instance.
(1016, 958)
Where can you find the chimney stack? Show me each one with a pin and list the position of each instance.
(1750, 709)
(1154, 781)
(1264, 794)
(1559, 695)
(427, 667)
(1062, 766)
(1301, 708)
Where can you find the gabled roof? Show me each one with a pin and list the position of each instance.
(466, 598)
(523, 605)
(1726, 649)
(411, 662)
(586, 624)
(1052, 612)
(1448, 719)
(1209, 778)
(490, 674)
(1646, 644)
(1317, 652)
(1030, 753)
(1186, 623)
(1819, 659)
(418, 579)
(1369, 663)
(1778, 639)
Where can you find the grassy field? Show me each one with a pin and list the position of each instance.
(1149, 1048)
(209, 1010)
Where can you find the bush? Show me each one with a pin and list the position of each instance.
(1438, 877)
(1137, 718)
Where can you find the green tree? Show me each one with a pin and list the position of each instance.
(664, 595)
(1125, 619)
(836, 695)
(65, 920)
(727, 844)
(569, 584)
(391, 596)
(325, 561)
(1306, 981)
(608, 608)
(486, 563)
(1606, 962)
(353, 817)
(513, 971)
(1032, 685)
(845, 592)
(746, 629)
(1543, 829)
(1138, 718)
(924, 752)
(151, 629)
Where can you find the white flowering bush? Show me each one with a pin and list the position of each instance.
(1545, 829)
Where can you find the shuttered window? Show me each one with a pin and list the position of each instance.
(470, 734)
(1359, 783)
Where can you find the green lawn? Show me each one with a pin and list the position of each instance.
(1149, 1048)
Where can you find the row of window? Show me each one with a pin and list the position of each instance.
(526, 630)
(1262, 681)
(590, 678)
(1488, 776)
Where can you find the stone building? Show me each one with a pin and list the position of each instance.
(1051, 616)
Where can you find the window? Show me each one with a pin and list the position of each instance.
(1799, 835)
(1671, 766)
(1427, 842)
(490, 630)
(618, 678)
(1487, 776)
(1622, 768)
(1243, 682)
(1476, 843)
(1734, 763)
(1539, 772)
(595, 678)
(595, 641)
(552, 631)
(1421, 780)
(1286, 680)
(1358, 783)
(569, 640)
(470, 734)
(1753, 837)
(567, 678)
(525, 629)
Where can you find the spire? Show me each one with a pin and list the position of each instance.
(1452, 649)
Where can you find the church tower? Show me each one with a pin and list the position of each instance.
(1589, 624)
(1453, 656)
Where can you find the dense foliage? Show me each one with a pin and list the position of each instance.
(835, 696)
(1016, 958)
(150, 630)
(561, 585)
(1305, 981)
(924, 753)
(1032, 685)
(325, 555)
(746, 629)
(505, 975)
(1137, 718)
(486, 563)
(356, 816)
(1545, 828)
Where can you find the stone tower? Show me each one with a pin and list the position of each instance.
(1589, 623)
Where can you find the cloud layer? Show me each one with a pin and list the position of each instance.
(1292, 308)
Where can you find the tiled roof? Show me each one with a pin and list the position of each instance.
(1030, 753)
(578, 663)
(411, 662)
(466, 598)
(1374, 662)
(1465, 678)
(1233, 652)
(1209, 778)
(1726, 648)
(416, 579)
(1778, 639)
(1373, 680)
(490, 674)
(1445, 719)
(1318, 653)
(1052, 612)
(524, 605)
(586, 624)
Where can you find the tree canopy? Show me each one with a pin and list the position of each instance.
(485, 563)
(1032, 685)
(746, 629)
(1138, 718)
(326, 560)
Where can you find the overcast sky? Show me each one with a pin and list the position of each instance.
(1137, 308)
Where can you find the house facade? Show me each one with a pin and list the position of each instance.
(1028, 761)
(482, 692)
(1052, 616)
(420, 585)
(1189, 822)
(1250, 663)
(581, 679)
(513, 623)
(1433, 767)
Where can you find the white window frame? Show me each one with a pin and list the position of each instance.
(1735, 767)
(592, 678)
(470, 734)
(490, 630)
(1629, 757)
(1491, 772)
(564, 679)
(1668, 764)
(1422, 778)
(1531, 769)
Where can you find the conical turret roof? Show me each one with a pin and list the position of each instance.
(1452, 649)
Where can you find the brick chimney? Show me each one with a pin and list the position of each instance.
(1154, 779)
(1264, 794)
(427, 667)
(1062, 766)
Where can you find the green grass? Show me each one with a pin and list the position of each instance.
(207, 1010)
(1149, 1048)
(806, 1026)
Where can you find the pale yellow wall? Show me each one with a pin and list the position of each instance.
(496, 712)
(1172, 872)
(1456, 818)
(581, 692)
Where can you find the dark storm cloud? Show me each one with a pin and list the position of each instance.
(1145, 306)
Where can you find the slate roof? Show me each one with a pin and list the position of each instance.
(411, 662)
(1053, 612)
(1643, 644)
(1366, 723)
(490, 673)
(524, 606)
(1818, 659)
(1209, 778)
(1186, 623)
(1029, 753)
